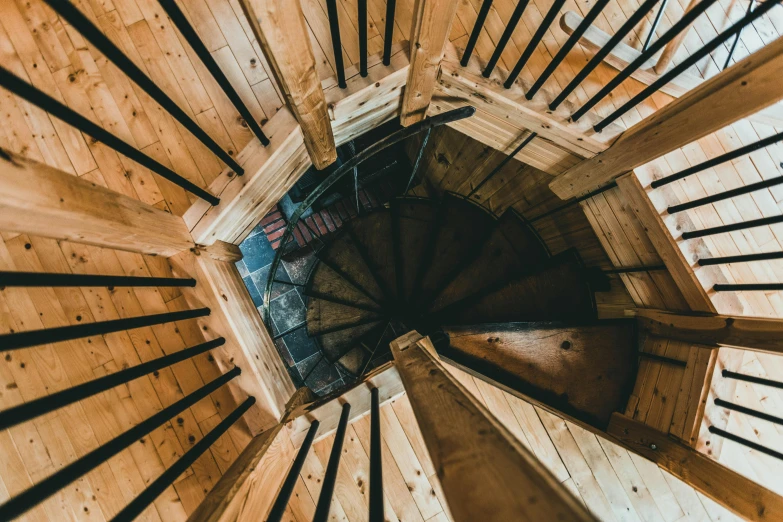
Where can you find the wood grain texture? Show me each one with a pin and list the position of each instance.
(431, 24)
(728, 488)
(282, 32)
(40, 200)
(482, 467)
(741, 90)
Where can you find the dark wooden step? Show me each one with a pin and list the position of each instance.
(337, 343)
(326, 284)
(372, 235)
(412, 223)
(327, 316)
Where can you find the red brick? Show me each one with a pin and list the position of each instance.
(277, 225)
(277, 234)
(328, 221)
(320, 224)
(274, 215)
(305, 233)
(276, 244)
(311, 226)
(299, 237)
(338, 221)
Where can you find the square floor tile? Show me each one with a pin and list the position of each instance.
(257, 252)
(255, 294)
(261, 276)
(298, 267)
(319, 373)
(287, 311)
(300, 346)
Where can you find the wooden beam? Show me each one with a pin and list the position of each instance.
(431, 24)
(665, 245)
(42, 201)
(281, 30)
(741, 90)
(327, 412)
(248, 345)
(484, 471)
(735, 492)
(224, 500)
(747, 333)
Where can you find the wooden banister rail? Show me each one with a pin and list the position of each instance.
(40, 200)
(281, 30)
(749, 333)
(485, 472)
(741, 90)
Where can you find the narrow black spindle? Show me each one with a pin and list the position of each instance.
(376, 460)
(728, 374)
(474, 34)
(728, 194)
(731, 228)
(681, 25)
(64, 476)
(388, 32)
(153, 491)
(750, 287)
(14, 341)
(746, 258)
(38, 279)
(71, 14)
(687, 63)
(530, 137)
(531, 46)
(187, 30)
(654, 25)
(281, 502)
(748, 411)
(745, 442)
(570, 43)
(505, 37)
(616, 38)
(737, 38)
(330, 476)
(663, 359)
(45, 102)
(337, 48)
(363, 38)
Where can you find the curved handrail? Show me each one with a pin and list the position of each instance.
(392, 139)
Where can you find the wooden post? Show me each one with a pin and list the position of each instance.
(747, 333)
(281, 30)
(739, 91)
(429, 33)
(40, 200)
(485, 472)
(735, 492)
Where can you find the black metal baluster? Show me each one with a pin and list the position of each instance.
(503, 163)
(45, 102)
(654, 25)
(148, 496)
(48, 403)
(363, 38)
(681, 25)
(531, 46)
(187, 30)
(376, 459)
(728, 374)
(505, 37)
(748, 411)
(747, 189)
(38, 279)
(388, 31)
(337, 47)
(71, 14)
(634, 269)
(476, 32)
(745, 442)
(731, 228)
(616, 38)
(687, 63)
(737, 38)
(750, 287)
(61, 478)
(330, 476)
(14, 341)
(418, 160)
(663, 359)
(575, 201)
(723, 158)
(281, 502)
(570, 43)
(746, 258)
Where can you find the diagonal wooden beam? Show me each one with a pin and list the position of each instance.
(735, 492)
(40, 200)
(281, 30)
(741, 90)
(429, 33)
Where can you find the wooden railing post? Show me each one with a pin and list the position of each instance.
(281, 30)
(40, 200)
(485, 472)
(741, 90)
(429, 32)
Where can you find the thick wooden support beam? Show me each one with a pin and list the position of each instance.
(736, 493)
(665, 245)
(248, 345)
(429, 33)
(485, 472)
(39, 200)
(748, 333)
(281, 30)
(741, 90)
